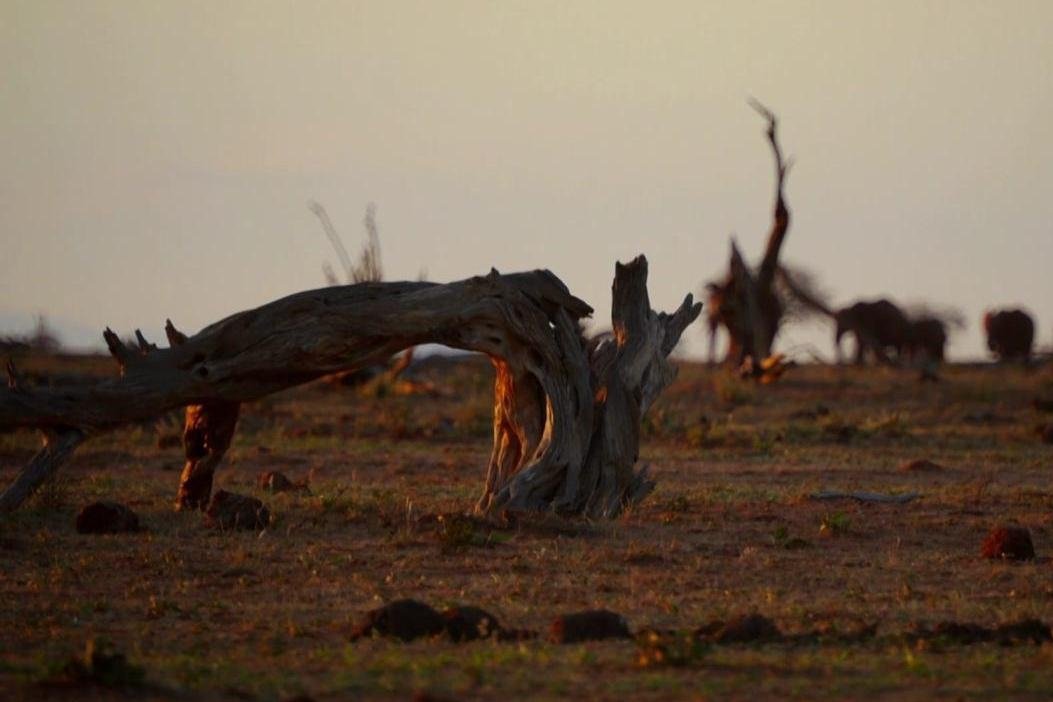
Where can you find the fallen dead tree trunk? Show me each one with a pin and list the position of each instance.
(566, 416)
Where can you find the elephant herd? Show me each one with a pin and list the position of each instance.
(887, 334)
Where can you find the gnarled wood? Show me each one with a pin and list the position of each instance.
(59, 445)
(206, 437)
(745, 302)
(566, 414)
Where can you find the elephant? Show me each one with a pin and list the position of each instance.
(1010, 334)
(927, 339)
(880, 327)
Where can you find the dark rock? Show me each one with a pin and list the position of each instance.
(273, 481)
(747, 628)
(1009, 542)
(402, 619)
(1023, 631)
(591, 625)
(470, 623)
(228, 510)
(106, 518)
(957, 632)
(920, 465)
(1045, 431)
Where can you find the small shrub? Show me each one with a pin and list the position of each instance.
(834, 524)
(781, 538)
(801, 433)
(892, 426)
(679, 504)
(838, 429)
(732, 390)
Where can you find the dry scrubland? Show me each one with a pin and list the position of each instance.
(239, 615)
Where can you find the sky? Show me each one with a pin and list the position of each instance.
(157, 158)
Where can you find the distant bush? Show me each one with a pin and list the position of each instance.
(43, 339)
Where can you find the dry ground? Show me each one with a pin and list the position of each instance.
(730, 529)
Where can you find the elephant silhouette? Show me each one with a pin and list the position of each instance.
(1010, 334)
(880, 327)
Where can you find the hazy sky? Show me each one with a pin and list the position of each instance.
(156, 158)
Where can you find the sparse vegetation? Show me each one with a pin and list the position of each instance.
(267, 614)
(43, 339)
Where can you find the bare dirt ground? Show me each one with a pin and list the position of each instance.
(731, 529)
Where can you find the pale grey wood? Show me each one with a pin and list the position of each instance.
(566, 414)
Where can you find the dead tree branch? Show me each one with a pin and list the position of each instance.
(746, 302)
(566, 418)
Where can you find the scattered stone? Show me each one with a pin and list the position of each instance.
(273, 481)
(470, 623)
(1020, 632)
(402, 619)
(920, 465)
(747, 628)
(1009, 542)
(591, 625)
(957, 632)
(106, 518)
(1023, 631)
(228, 510)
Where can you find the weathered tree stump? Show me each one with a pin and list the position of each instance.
(566, 414)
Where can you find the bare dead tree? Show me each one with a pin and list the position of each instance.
(745, 302)
(337, 243)
(802, 295)
(566, 416)
(366, 269)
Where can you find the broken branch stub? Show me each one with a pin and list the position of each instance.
(566, 415)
